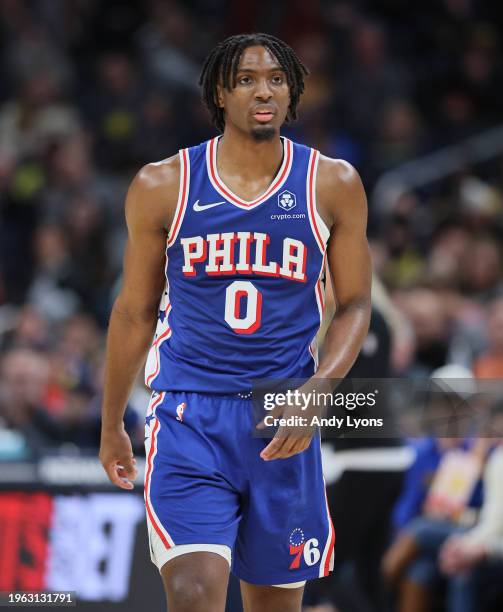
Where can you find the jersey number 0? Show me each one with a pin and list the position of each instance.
(234, 294)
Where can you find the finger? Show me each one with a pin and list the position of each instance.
(271, 449)
(122, 472)
(291, 446)
(286, 447)
(117, 480)
(298, 445)
(125, 474)
(274, 447)
(128, 465)
(305, 443)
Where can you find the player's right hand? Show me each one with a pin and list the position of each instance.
(116, 456)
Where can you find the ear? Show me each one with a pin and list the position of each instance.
(220, 97)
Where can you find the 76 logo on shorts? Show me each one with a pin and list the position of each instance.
(300, 548)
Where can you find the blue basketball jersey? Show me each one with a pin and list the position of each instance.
(244, 291)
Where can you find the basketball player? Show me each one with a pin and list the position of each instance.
(234, 235)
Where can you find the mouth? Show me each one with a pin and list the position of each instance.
(263, 116)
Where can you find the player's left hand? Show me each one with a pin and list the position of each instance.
(289, 439)
(294, 435)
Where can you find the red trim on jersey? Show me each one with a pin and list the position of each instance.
(326, 567)
(184, 194)
(312, 163)
(148, 476)
(331, 552)
(304, 263)
(234, 198)
(151, 376)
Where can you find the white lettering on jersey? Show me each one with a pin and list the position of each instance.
(294, 260)
(194, 250)
(243, 265)
(235, 293)
(229, 253)
(221, 253)
(260, 267)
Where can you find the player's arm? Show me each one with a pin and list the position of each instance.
(150, 205)
(343, 205)
(342, 201)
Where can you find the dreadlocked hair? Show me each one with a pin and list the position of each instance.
(221, 66)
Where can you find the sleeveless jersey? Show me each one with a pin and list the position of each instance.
(244, 290)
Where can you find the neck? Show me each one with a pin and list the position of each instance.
(239, 152)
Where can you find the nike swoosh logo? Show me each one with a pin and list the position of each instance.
(198, 208)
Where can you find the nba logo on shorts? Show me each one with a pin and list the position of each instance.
(179, 411)
(287, 200)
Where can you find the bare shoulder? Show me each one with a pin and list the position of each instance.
(159, 175)
(339, 190)
(153, 193)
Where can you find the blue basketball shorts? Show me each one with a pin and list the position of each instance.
(206, 485)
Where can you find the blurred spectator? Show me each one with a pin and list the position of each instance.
(481, 204)
(470, 559)
(482, 269)
(473, 561)
(32, 51)
(24, 376)
(450, 245)
(167, 45)
(37, 118)
(405, 264)
(76, 350)
(50, 290)
(314, 50)
(427, 313)
(371, 79)
(31, 330)
(411, 561)
(490, 363)
(398, 137)
(114, 111)
(90, 274)
(71, 171)
(158, 130)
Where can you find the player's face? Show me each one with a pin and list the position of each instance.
(258, 104)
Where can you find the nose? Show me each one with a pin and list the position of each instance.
(263, 91)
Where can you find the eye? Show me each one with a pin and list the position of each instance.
(244, 80)
(277, 79)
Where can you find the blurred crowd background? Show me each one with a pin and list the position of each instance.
(92, 89)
